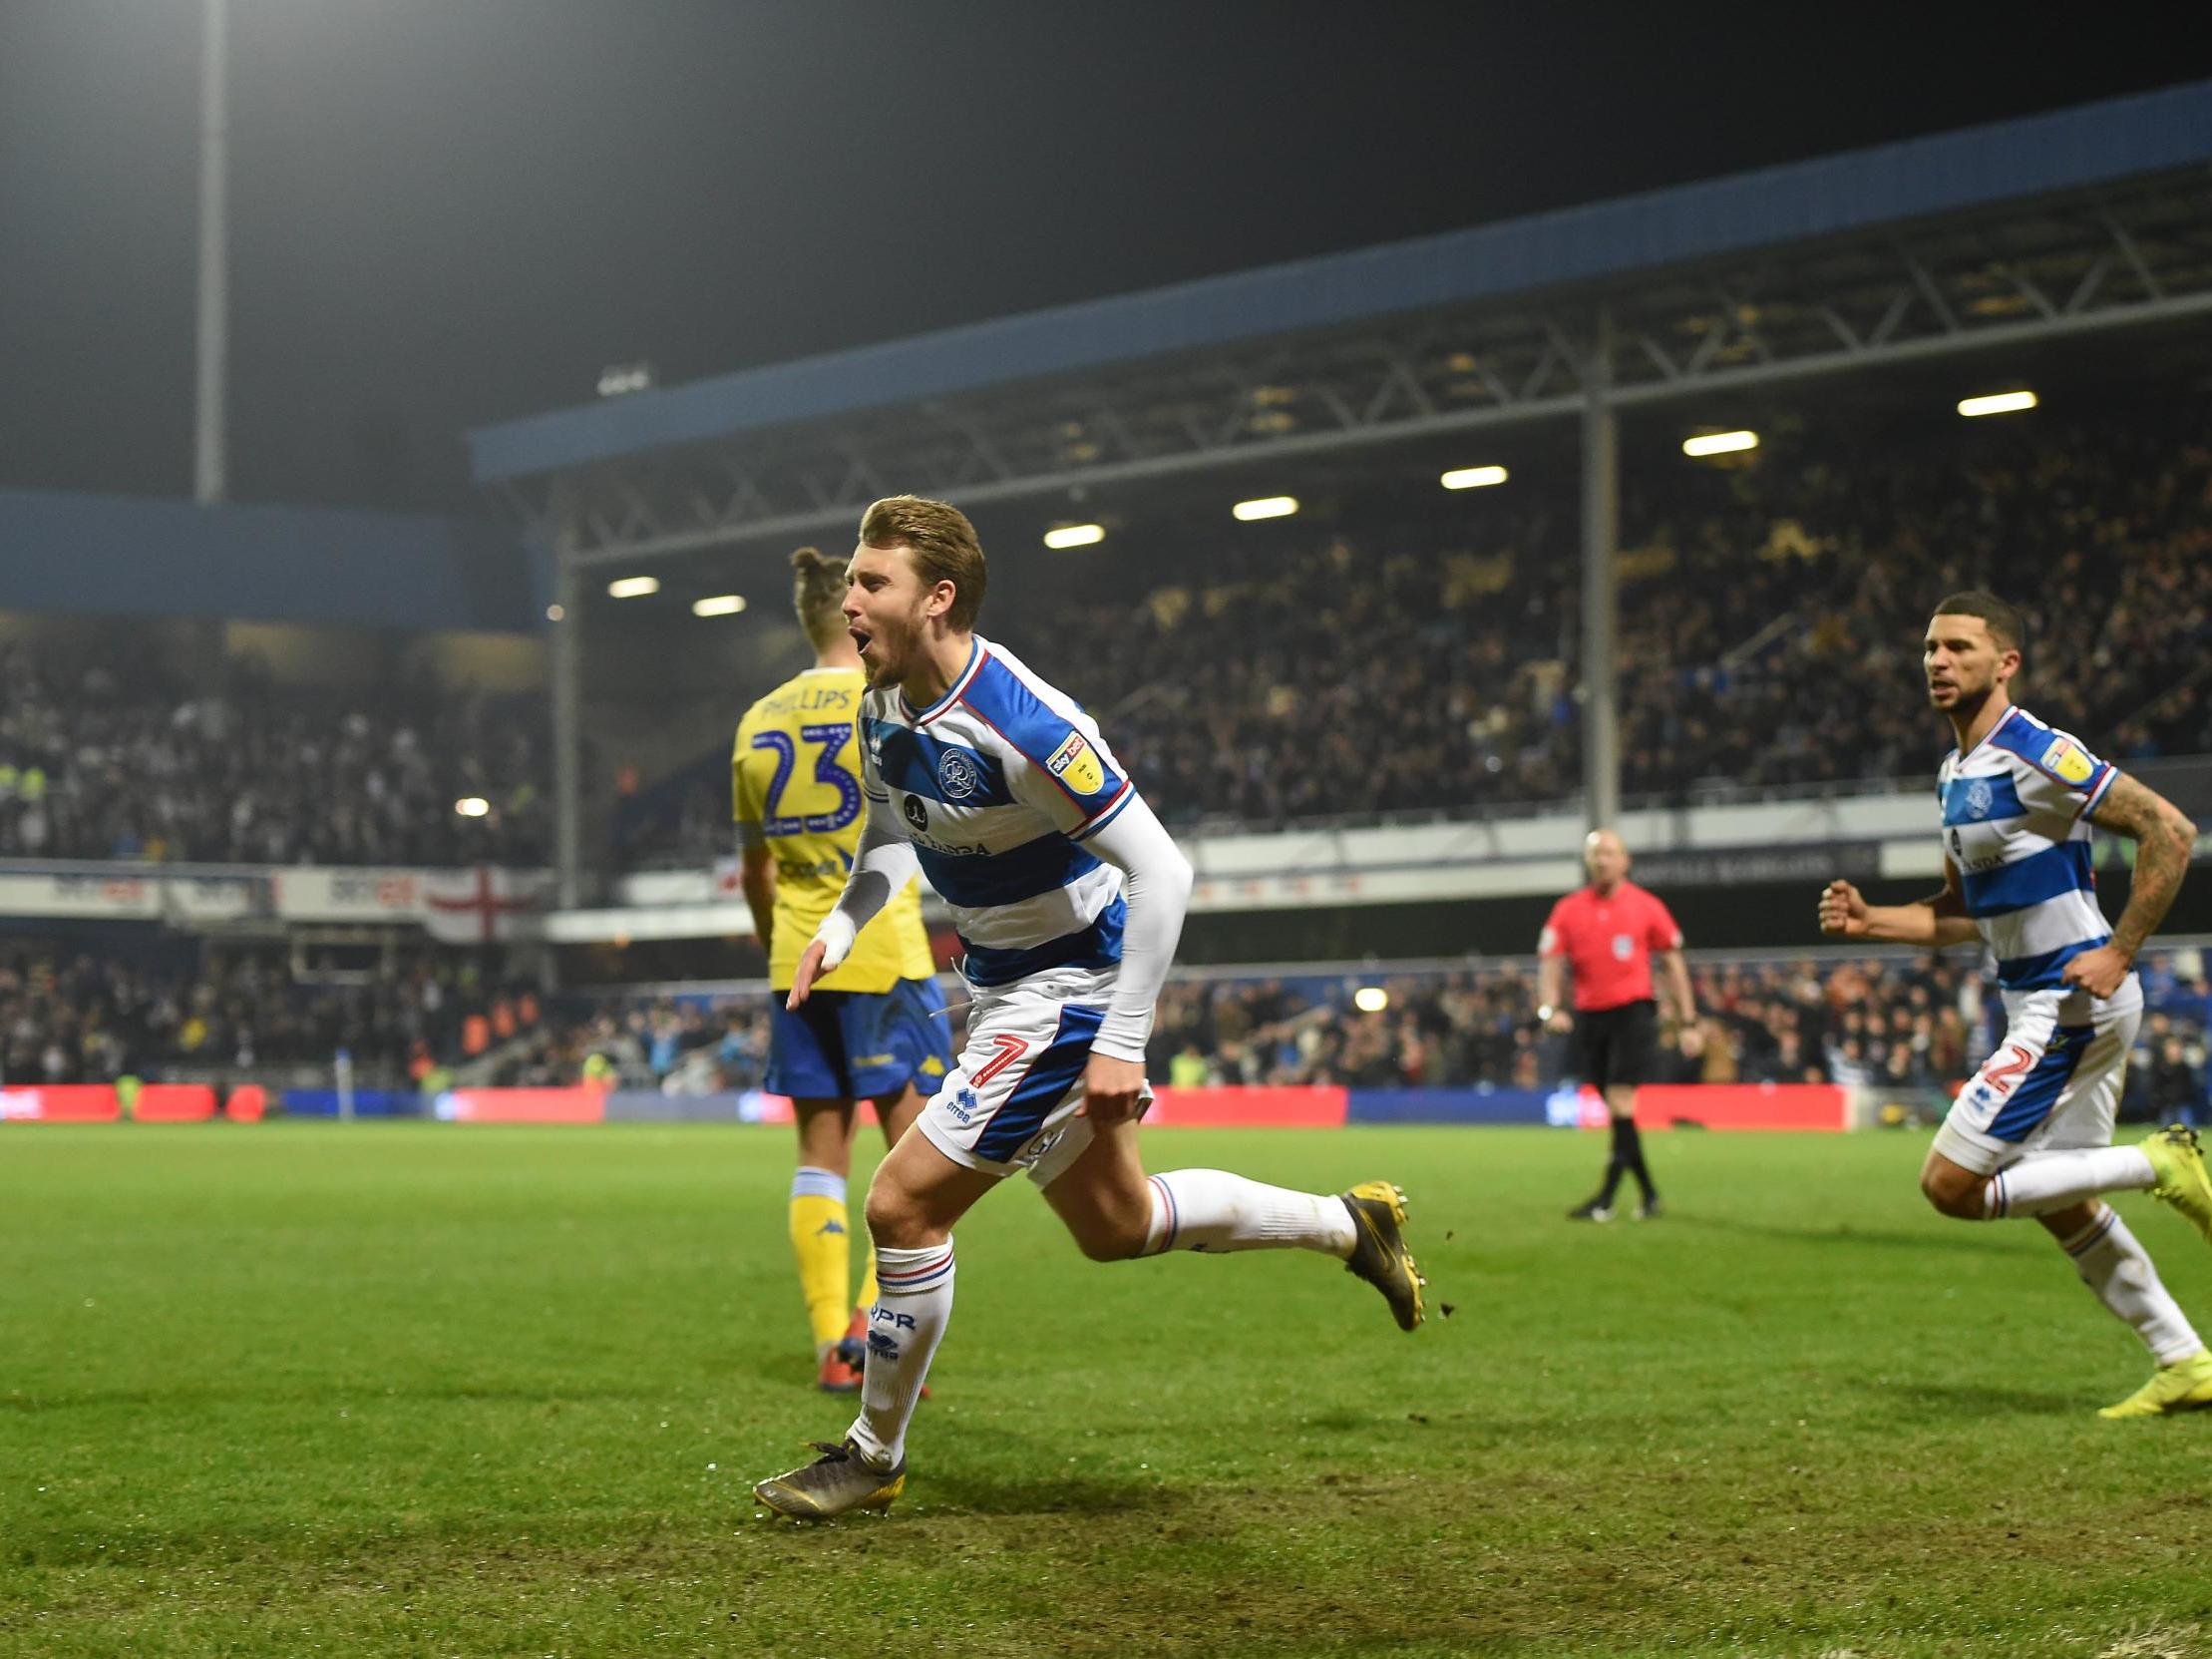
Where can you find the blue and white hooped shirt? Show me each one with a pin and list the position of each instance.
(2016, 822)
(998, 784)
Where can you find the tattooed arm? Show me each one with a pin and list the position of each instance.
(2164, 838)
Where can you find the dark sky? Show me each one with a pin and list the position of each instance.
(452, 211)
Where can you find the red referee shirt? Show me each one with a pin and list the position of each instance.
(1609, 941)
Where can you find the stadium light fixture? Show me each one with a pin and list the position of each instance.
(554, 612)
(1473, 478)
(1719, 443)
(1997, 403)
(472, 806)
(719, 605)
(633, 587)
(1371, 998)
(1266, 507)
(1074, 535)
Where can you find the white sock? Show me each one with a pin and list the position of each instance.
(914, 1302)
(2119, 1270)
(2045, 1181)
(1211, 1209)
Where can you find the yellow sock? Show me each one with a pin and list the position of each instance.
(866, 1297)
(820, 1241)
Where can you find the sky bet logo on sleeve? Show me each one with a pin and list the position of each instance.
(2067, 761)
(1076, 764)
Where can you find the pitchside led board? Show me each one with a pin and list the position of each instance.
(1773, 1106)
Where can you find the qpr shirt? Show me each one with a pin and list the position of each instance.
(999, 783)
(2016, 822)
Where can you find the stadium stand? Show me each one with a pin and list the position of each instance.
(107, 758)
(1758, 598)
(72, 1012)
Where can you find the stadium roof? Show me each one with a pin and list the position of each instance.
(2053, 224)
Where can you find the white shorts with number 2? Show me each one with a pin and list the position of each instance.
(2054, 1083)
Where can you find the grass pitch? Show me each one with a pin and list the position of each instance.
(420, 1389)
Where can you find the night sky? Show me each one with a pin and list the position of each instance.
(452, 211)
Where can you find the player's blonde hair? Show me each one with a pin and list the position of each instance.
(817, 596)
(941, 544)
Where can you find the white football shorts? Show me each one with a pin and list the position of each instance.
(1009, 1105)
(2054, 1083)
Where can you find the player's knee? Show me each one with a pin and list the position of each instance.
(895, 1220)
(1952, 1192)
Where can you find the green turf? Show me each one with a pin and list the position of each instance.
(433, 1390)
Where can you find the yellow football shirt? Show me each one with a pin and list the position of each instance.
(795, 785)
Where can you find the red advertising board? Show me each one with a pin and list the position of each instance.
(1318, 1106)
(1743, 1106)
(173, 1103)
(59, 1103)
(522, 1105)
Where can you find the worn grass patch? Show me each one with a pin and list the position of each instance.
(418, 1390)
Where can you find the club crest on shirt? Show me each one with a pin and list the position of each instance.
(2068, 762)
(1076, 764)
(957, 775)
(1980, 798)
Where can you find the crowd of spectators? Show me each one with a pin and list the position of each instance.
(71, 1014)
(2100, 532)
(1898, 1021)
(109, 760)
(692, 1044)
(1917, 1022)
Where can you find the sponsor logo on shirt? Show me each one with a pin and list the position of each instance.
(2068, 762)
(1623, 947)
(1076, 764)
(1980, 798)
(917, 814)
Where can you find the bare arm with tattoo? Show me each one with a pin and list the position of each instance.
(2164, 838)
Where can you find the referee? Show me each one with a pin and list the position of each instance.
(1607, 931)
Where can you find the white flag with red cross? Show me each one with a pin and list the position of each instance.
(481, 905)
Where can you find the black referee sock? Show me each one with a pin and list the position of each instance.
(1615, 1169)
(1627, 1155)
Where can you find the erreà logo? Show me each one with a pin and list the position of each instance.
(1076, 764)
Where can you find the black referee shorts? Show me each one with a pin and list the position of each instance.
(1614, 1046)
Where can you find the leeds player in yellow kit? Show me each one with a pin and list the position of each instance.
(882, 1030)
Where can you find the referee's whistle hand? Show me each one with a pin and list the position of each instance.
(1560, 1022)
(804, 976)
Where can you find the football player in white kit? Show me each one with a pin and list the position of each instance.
(1069, 897)
(2031, 1133)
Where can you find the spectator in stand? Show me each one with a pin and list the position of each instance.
(2176, 1094)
